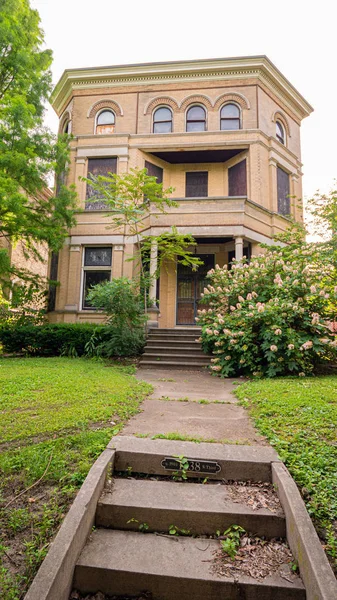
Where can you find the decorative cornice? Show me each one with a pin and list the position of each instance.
(253, 67)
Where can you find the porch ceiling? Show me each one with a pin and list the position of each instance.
(182, 156)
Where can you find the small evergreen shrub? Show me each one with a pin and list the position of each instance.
(270, 316)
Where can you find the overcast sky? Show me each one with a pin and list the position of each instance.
(299, 37)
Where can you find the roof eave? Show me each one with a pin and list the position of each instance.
(258, 66)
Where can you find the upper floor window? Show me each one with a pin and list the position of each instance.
(98, 166)
(230, 117)
(162, 120)
(283, 192)
(105, 122)
(67, 127)
(196, 119)
(280, 134)
(196, 184)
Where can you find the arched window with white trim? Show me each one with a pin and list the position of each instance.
(162, 120)
(280, 133)
(196, 118)
(230, 117)
(105, 122)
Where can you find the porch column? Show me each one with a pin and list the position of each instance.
(153, 269)
(238, 248)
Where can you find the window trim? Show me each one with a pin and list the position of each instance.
(196, 121)
(239, 118)
(99, 112)
(84, 269)
(171, 120)
(282, 140)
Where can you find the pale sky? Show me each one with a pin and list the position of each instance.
(299, 37)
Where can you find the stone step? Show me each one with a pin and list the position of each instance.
(197, 508)
(188, 331)
(176, 343)
(175, 338)
(190, 350)
(222, 461)
(165, 364)
(183, 357)
(171, 568)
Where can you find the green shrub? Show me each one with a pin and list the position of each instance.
(269, 317)
(52, 339)
(124, 334)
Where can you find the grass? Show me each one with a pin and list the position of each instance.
(56, 414)
(299, 418)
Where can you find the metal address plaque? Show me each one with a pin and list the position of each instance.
(194, 465)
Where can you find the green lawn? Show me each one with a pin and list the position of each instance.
(299, 418)
(59, 412)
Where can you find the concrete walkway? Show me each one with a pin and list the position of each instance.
(193, 404)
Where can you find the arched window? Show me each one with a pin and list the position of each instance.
(196, 119)
(67, 127)
(280, 133)
(162, 120)
(105, 122)
(230, 117)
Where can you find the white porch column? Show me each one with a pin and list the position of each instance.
(153, 269)
(238, 248)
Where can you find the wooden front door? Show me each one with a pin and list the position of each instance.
(190, 286)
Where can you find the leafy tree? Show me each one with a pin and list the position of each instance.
(29, 152)
(130, 198)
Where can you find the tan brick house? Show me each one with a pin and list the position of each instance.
(224, 133)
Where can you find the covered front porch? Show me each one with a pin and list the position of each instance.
(177, 293)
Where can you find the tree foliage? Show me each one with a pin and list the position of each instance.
(29, 152)
(130, 198)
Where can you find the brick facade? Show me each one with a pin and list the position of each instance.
(221, 223)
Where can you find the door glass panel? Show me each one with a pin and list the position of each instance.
(190, 286)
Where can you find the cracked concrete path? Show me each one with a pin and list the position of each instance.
(192, 404)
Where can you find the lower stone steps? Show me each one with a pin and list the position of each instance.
(171, 568)
(132, 488)
(201, 509)
(174, 349)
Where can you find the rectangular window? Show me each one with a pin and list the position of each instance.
(154, 171)
(98, 166)
(197, 184)
(96, 269)
(283, 192)
(237, 179)
(54, 261)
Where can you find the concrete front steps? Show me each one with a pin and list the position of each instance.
(131, 489)
(174, 348)
(118, 559)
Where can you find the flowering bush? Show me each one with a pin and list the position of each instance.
(269, 317)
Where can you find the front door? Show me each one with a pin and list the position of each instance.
(190, 286)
